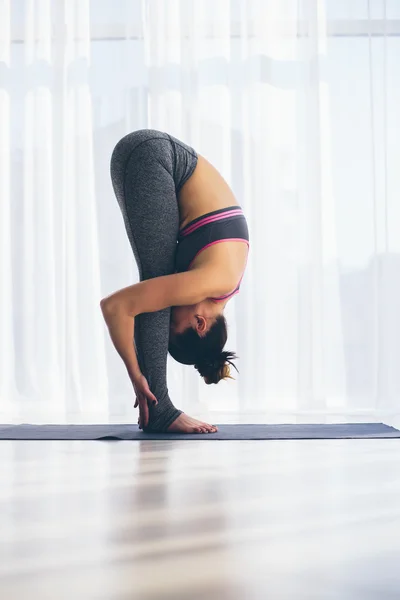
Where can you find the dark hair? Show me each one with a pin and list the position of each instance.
(205, 353)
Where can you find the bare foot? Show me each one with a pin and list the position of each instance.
(185, 424)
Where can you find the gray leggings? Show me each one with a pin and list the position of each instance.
(148, 168)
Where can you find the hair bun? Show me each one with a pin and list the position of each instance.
(215, 368)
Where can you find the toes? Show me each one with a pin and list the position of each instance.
(209, 428)
(204, 428)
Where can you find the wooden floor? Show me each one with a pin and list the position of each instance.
(277, 520)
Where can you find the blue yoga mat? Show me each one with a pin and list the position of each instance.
(225, 432)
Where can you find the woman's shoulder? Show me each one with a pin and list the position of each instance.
(220, 279)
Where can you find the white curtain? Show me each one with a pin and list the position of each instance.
(296, 103)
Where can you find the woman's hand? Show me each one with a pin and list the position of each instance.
(143, 397)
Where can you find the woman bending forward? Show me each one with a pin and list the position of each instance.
(190, 241)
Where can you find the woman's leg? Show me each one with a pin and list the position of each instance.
(147, 171)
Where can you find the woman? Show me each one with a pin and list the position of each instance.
(177, 210)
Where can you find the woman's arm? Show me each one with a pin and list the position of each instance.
(121, 328)
(180, 289)
(119, 309)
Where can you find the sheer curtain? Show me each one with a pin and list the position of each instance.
(296, 103)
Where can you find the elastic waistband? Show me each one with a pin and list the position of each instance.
(211, 217)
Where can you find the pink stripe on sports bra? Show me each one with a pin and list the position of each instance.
(211, 219)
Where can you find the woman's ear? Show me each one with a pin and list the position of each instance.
(201, 324)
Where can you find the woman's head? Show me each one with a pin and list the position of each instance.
(201, 344)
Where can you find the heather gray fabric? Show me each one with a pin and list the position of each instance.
(148, 168)
(225, 432)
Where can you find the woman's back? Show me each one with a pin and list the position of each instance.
(205, 192)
